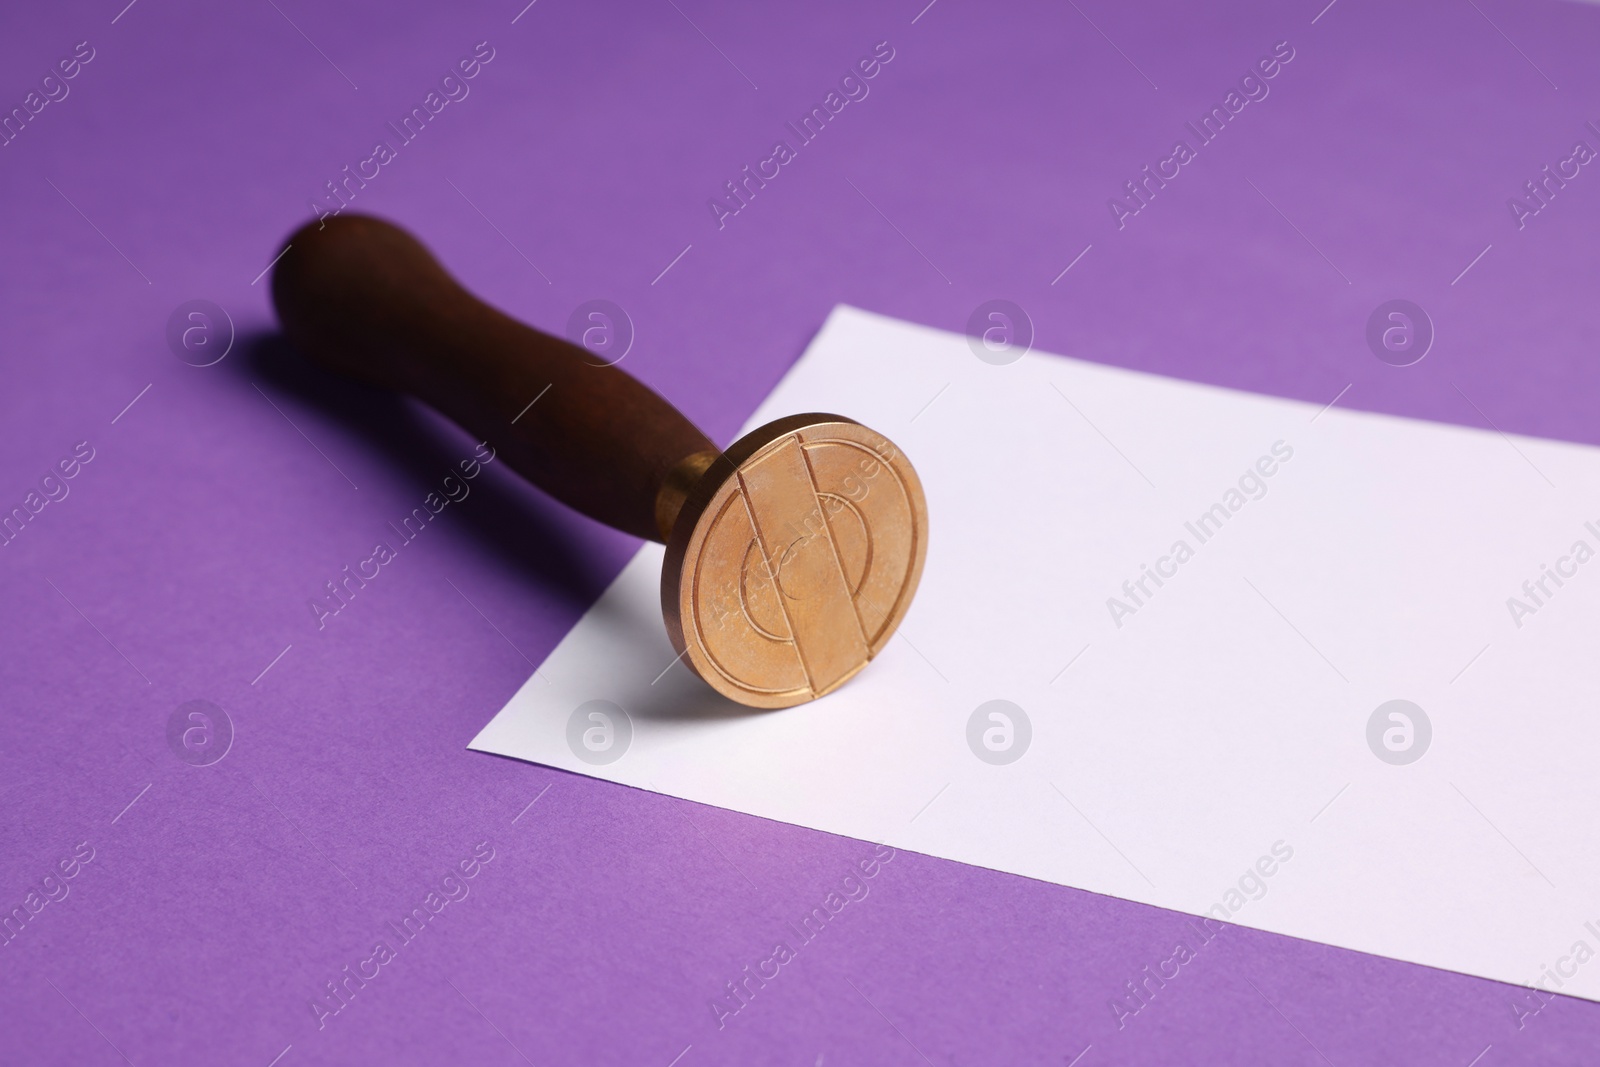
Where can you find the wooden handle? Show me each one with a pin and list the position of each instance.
(365, 299)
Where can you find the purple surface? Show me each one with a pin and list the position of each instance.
(218, 904)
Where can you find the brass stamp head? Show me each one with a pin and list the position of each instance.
(793, 558)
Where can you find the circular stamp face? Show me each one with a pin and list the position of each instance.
(794, 560)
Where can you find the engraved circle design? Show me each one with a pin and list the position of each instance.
(802, 563)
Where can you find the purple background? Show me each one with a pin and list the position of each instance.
(219, 903)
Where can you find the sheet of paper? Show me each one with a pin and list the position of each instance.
(1218, 738)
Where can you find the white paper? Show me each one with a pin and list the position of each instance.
(1228, 714)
